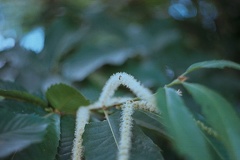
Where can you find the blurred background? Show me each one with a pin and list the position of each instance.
(82, 43)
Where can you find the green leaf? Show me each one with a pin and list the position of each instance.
(21, 107)
(18, 131)
(47, 149)
(99, 142)
(60, 40)
(6, 85)
(149, 120)
(87, 59)
(23, 96)
(218, 147)
(186, 136)
(143, 147)
(212, 64)
(220, 115)
(11, 90)
(66, 137)
(65, 98)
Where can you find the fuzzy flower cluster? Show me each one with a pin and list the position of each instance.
(106, 99)
(146, 102)
(126, 80)
(125, 131)
(82, 119)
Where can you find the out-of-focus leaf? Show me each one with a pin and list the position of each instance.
(25, 68)
(47, 149)
(66, 137)
(23, 96)
(80, 65)
(65, 98)
(61, 38)
(145, 70)
(212, 64)
(218, 147)
(220, 115)
(6, 85)
(18, 131)
(114, 43)
(179, 122)
(100, 145)
(12, 91)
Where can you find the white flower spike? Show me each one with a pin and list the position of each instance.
(124, 79)
(125, 131)
(82, 118)
(106, 98)
(128, 104)
(145, 105)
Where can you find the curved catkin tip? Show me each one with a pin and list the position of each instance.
(125, 132)
(126, 80)
(82, 119)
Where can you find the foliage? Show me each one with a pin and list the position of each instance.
(48, 132)
(84, 42)
(65, 98)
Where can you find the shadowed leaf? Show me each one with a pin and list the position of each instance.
(66, 137)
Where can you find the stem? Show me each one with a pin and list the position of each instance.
(176, 81)
(113, 104)
(23, 96)
(182, 78)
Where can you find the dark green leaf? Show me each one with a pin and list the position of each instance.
(65, 98)
(99, 142)
(6, 85)
(18, 131)
(47, 149)
(21, 107)
(13, 91)
(143, 147)
(212, 64)
(184, 132)
(149, 120)
(23, 96)
(66, 137)
(100, 145)
(220, 115)
(218, 147)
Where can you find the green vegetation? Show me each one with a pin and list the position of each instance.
(186, 58)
